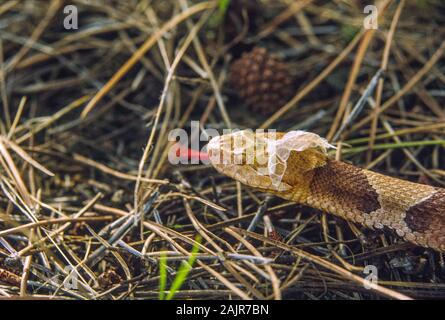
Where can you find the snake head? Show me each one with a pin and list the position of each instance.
(271, 161)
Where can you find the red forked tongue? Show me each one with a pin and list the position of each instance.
(191, 154)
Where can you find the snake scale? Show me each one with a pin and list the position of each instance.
(296, 166)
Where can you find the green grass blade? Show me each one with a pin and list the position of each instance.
(222, 6)
(184, 270)
(162, 276)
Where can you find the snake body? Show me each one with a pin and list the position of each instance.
(302, 172)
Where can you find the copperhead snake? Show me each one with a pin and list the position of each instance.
(295, 166)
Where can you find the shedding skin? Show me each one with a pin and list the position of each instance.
(296, 167)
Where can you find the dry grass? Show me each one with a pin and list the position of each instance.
(86, 189)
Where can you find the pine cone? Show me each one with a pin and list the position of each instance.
(262, 81)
